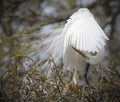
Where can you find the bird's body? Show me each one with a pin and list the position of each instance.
(84, 41)
(81, 41)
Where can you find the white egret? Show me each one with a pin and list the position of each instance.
(80, 43)
(84, 41)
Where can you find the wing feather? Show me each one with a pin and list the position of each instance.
(81, 42)
(85, 33)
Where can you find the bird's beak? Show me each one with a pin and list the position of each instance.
(80, 52)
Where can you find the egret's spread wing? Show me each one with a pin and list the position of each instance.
(83, 32)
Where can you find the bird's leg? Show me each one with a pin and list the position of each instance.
(86, 72)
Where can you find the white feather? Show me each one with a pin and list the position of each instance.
(83, 27)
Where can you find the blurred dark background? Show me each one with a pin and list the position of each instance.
(25, 17)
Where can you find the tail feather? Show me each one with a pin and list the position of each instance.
(48, 45)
